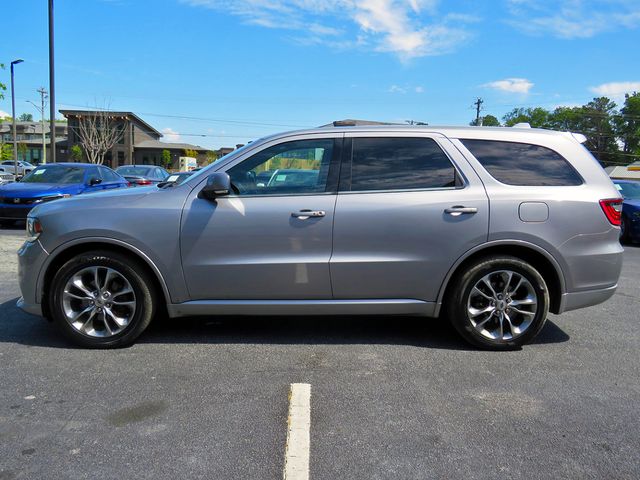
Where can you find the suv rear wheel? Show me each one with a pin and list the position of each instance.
(498, 303)
(102, 299)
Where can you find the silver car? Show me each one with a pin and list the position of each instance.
(491, 228)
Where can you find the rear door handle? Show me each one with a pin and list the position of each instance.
(458, 210)
(304, 214)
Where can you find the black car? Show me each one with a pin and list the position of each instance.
(143, 174)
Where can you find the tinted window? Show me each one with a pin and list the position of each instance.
(109, 175)
(55, 174)
(523, 164)
(399, 163)
(135, 171)
(288, 168)
(630, 191)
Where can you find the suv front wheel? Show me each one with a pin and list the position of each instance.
(498, 303)
(102, 299)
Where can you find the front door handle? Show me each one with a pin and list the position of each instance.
(305, 214)
(458, 210)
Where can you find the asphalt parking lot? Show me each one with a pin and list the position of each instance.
(400, 398)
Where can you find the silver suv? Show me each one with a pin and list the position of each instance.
(491, 228)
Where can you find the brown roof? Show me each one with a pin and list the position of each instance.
(135, 117)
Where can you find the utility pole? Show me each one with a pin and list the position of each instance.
(43, 95)
(52, 88)
(478, 103)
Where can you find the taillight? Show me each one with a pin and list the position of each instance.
(612, 208)
(143, 181)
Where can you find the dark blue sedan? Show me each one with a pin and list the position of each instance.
(53, 181)
(630, 225)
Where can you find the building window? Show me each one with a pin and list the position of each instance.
(120, 159)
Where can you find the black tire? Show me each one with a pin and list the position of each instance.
(457, 303)
(624, 230)
(141, 283)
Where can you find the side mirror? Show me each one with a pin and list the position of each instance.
(218, 184)
(95, 181)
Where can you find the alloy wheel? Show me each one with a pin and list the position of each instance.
(98, 301)
(502, 305)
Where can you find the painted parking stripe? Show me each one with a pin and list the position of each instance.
(296, 460)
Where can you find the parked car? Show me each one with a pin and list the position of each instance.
(491, 228)
(143, 174)
(52, 182)
(9, 166)
(630, 226)
(6, 177)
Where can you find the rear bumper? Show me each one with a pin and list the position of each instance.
(587, 298)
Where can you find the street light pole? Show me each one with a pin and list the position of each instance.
(43, 95)
(52, 88)
(13, 115)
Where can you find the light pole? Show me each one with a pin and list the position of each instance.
(43, 95)
(13, 115)
(52, 88)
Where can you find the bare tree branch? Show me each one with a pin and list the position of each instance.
(98, 132)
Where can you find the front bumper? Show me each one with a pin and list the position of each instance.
(31, 257)
(14, 212)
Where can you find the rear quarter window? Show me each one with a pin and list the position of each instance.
(523, 164)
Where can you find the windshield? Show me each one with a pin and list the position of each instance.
(208, 168)
(139, 171)
(630, 191)
(55, 174)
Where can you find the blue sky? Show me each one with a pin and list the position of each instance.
(221, 72)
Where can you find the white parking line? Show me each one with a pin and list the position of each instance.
(296, 458)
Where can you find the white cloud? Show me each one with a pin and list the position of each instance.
(616, 90)
(511, 85)
(406, 28)
(573, 18)
(170, 135)
(4, 114)
(405, 89)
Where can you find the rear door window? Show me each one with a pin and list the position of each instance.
(402, 163)
(523, 164)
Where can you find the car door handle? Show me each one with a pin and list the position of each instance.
(458, 210)
(304, 214)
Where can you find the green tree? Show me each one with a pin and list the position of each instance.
(22, 151)
(6, 151)
(190, 153)
(25, 117)
(537, 117)
(490, 121)
(211, 156)
(75, 152)
(3, 87)
(628, 124)
(598, 126)
(166, 158)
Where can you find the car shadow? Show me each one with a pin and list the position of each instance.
(19, 327)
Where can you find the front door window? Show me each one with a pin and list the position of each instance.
(299, 167)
